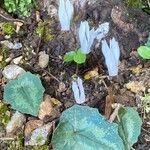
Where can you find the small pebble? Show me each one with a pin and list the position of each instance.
(16, 122)
(12, 71)
(11, 45)
(17, 60)
(43, 60)
(39, 136)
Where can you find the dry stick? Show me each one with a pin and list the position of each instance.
(48, 72)
(115, 113)
(11, 19)
(7, 139)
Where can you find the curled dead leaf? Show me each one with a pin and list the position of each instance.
(90, 74)
(136, 69)
(46, 107)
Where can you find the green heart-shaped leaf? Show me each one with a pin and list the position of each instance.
(129, 126)
(25, 93)
(83, 128)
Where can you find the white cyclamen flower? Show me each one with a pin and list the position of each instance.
(65, 13)
(78, 91)
(111, 54)
(86, 37)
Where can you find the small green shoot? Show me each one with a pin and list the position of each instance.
(145, 104)
(5, 114)
(144, 51)
(7, 28)
(19, 7)
(76, 56)
(44, 31)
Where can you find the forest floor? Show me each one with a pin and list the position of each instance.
(129, 26)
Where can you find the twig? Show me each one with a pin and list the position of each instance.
(7, 139)
(48, 72)
(11, 19)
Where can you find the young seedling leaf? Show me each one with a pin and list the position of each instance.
(129, 126)
(144, 52)
(25, 93)
(69, 56)
(79, 57)
(83, 128)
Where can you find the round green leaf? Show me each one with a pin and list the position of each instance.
(129, 126)
(25, 93)
(79, 57)
(83, 128)
(69, 56)
(144, 52)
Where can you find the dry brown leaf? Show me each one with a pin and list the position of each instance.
(135, 86)
(90, 74)
(46, 107)
(55, 102)
(136, 69)
(31, 125)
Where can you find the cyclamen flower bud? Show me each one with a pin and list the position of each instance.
(78, 90)
(111, 54)
(65, 13)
